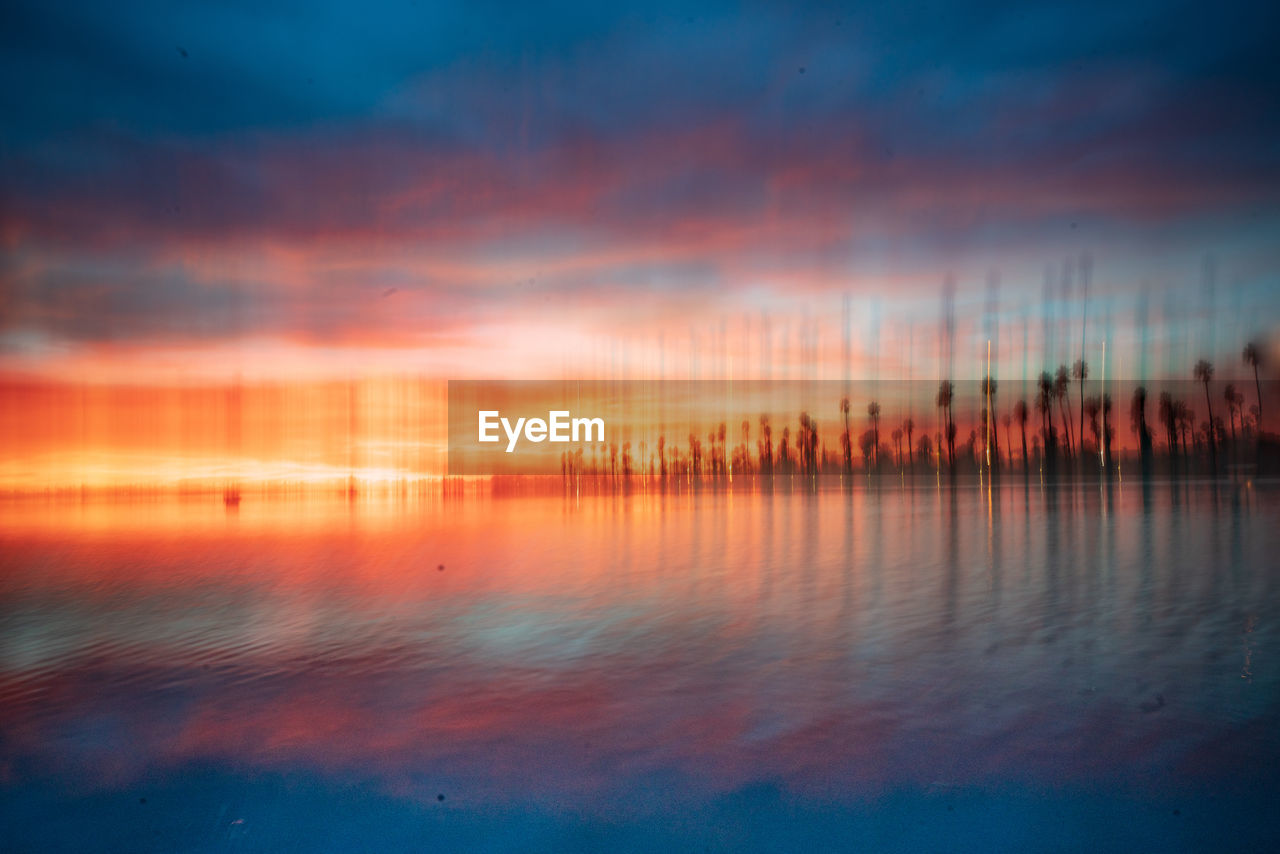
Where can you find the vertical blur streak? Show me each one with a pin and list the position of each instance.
(201, 430)
(209, 436)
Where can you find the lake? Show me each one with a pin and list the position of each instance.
(891, 668)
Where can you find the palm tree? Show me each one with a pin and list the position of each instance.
(1093, 407)
(988, 402)
(766, 446)
(866, 442)
(1062, 391)
(807, 444)
(909, 426)
(1186, 422)
(722, 461)
(1204, 373)
(1044, 405)
(1020, 413)
(1080, 370)
(846, 441)
(873, 410)
(897, 444)
(945, 393)
(924, 446)
(1253, 356)
(1138, 418)
(813, 445)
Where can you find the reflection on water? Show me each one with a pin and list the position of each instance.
(943, 668)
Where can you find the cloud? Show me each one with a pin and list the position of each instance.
(586, 166)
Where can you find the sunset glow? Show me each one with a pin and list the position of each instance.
(740, 427)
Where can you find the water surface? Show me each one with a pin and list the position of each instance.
(1040, 667)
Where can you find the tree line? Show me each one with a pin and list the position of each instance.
(1068, 432)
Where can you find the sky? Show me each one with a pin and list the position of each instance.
(199, 192)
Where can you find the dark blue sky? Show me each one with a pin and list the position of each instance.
(218, 172)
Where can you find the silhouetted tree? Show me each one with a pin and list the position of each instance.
(1062, 391)
(897, 444)
(766, 446)
(1186, 422)
(1233, 399)
(1044, 405)
(867, 444)
(722, 455)
(746, 445)
(1020, 414)
(1092, 407)
(1204, 373)
(946, 391)
(813, 446)
(989, 401)
(873, 410)
(807, 444)
(924, 446)
(1252, 356)
(846, 441)
(1138, 418)
(1080, 370)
